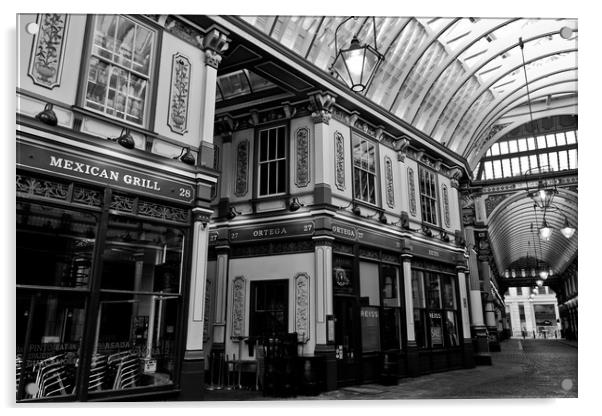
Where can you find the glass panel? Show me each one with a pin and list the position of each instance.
(418, 299)
(390, 286)
(391, 323)
(570, 137)
(522, 145)
(142, 257)
(551, 140)
(420, 328)
(560, 139)
(436, 328)
(541, 142)
(271, 144)
(515, 166)
(281, 176)
(553, 157)
(449, 293)
(524, 164)
(513, 146)
(504, 148)
(506, 167)
(434, 291)
(263, 145)
(495, 149)
(281, 143)
(543, 161)
(533, 162)
(52, 325)
(497, 169)
(135, 341)
(54, 246)
(451, 329)
(563, 158)
(263, 179)
(531, 143)
(573, 159)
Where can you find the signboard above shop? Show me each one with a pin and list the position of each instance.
(82, 167)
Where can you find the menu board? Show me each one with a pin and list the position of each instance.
(370, 320)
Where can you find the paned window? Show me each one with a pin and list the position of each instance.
(119, 68)
(428, 196)
(269, 308)
(364, 170)
(272, 161)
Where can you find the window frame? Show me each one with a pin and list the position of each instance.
(433, 200)
(148, 114)
(375, 174)
(258, 162)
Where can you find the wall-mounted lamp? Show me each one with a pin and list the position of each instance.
(186, 156)
(295, 204)
(382, 218)
(356, 210)
(427, 231)
(125, 139)
(232, 213)
(47, 116)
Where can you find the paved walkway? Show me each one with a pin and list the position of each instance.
(523, 369)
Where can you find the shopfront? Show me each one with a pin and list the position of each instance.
(102, 259)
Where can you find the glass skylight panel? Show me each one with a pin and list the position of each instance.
(541, 142)
(572, 158)
(553, 160)
(504, 147)
(495, 149)
(515, 166)
(263, 23)
(524, 164)
(551, 140)
(543, 162)
(506, 167)
(570, 137)
(531, 143)
(533, 163)
(513, 146)
(497, 168)
(563, 160)
(488, 170)
(560, 139)
(234, 84)
(522, 145)
(258, 83)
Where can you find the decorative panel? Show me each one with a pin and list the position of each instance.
(46, 61)
(302, 306)
(238, 306)
(390, 195)
(446, 206)
(411, 191)
(339, 161)
(302, 155)
(242, 168)
(177, 119)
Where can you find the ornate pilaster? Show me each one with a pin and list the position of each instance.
(401, 147)
(323, 286)
(321, 104)
(215, 43)
(406, 260)
(467, 346)
(221, 290)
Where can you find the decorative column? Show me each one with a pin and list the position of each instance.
(221, 293)
(321, 106)
(193, 365)
(324, 308)
(490, 321)
(411, 349)
(224, 126)
(477, 317)
(467, 348)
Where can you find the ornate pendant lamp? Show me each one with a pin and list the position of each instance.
(356, 65)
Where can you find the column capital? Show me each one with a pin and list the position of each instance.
(214, 43)
(320, 104)
(323, 240)
(401, 147)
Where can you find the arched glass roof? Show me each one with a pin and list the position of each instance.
(453, 78)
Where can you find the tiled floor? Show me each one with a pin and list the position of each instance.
(523, 369)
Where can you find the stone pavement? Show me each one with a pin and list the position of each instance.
(523, 369)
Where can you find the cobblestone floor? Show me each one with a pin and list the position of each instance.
(523, 369)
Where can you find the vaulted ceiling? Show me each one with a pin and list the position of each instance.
(459, 80)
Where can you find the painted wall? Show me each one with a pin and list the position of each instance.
(287, 267)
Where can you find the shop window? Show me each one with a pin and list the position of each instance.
(342, 274)
(142, 257)
(272, 172)
(436, 320)
(391, 313)
(428, 196)
(369, 284)
(364, 170)
(135, 341)
(269, 308)
(54, 246)
(49, 329)
(119, 68)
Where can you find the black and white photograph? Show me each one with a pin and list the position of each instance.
(301, 208)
